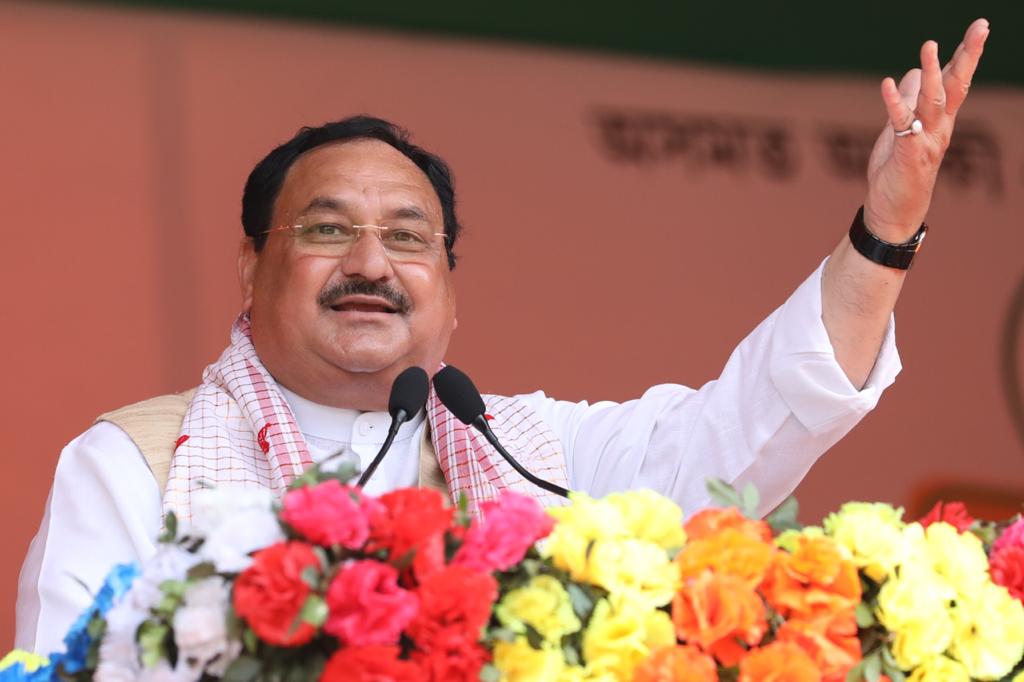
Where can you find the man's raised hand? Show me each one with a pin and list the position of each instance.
(902, 170)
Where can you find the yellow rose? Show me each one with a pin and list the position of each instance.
(650, 516)
(544, 605)
(988, 633)
(788, 539)
(872, 533)
(519, 662)
(30, 662)
(634, 571)
(915, 608)
(1019, 677)
(580, 524)
(940, 669)
(959, 557)
(617, 640)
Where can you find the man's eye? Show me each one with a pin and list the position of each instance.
(327, 229)
(405, 236)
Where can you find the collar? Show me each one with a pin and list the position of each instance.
(343, 425)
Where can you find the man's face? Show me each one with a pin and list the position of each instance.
(338, 329)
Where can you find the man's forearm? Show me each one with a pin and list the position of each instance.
(857, 299)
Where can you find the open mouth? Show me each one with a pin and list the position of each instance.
(363, 305)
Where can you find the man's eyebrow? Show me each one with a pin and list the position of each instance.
(324, 204)
(411, 212)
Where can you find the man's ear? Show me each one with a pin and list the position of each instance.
(247, 260)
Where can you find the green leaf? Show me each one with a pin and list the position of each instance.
(582, 604)
(489, 673)
(894, 673)
(751, 498)
(170, 533)
(314, 611)
(856, 673)
(243, 669)
(572, 657)
(503, 634)
(783, 518)
(724, 494)
(250, 640)
(152, 641)
(873, 667)
(865, 618)
(200, 571)
(311, 576)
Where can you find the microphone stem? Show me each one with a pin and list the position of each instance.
(481, 423)
(396, 423)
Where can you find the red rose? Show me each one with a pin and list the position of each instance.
(329, 514)
(453, 657)
(509, 528)
(366, 605)
(270, 593)
(953, 513)
(369, 664)
(1007, 569)
(411, 520)
(454, 602)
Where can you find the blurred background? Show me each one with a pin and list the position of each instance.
(641, 185)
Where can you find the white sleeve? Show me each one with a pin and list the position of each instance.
(781, 401)
(104, 509)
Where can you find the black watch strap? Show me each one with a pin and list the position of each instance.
(897, 256)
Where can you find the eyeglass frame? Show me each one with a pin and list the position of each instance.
(378, 228)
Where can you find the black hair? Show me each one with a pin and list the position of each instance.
(265, 180)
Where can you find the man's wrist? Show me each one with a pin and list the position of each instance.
(897, 255)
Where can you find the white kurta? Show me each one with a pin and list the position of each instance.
(781, 401)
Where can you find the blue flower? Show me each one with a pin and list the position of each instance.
(79, 640)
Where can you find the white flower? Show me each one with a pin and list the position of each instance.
(234, 522)
(163, 672)
(119, 653)
(171, 562)
(200, 628)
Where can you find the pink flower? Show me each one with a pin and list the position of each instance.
(366, 606)
(953, 513)
(1007, 569)
(1011, 537)
(509, 528)
(329, 513)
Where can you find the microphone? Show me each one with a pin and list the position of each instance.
(459, 395)
(408, 396)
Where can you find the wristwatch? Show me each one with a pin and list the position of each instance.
(898, 256)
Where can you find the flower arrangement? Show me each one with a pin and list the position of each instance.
(330, 584)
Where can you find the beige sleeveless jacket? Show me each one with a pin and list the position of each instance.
(154, 425)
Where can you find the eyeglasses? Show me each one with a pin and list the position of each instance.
(330, 236)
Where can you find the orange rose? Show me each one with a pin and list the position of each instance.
(813, 579)
(683, 663)
(718, 612)
(779, 662)
(829, 639)
(712, 521)
(731, 551)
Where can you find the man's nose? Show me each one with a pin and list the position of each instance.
(367, 258)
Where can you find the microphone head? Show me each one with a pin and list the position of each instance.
(409, 392)
(459, 395)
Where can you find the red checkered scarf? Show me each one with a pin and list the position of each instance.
(239, 431)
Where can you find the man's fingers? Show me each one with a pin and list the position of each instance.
(900, 115)
(910, 86)
(931, 102)
(958, 73)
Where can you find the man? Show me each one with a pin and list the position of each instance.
(345, 276)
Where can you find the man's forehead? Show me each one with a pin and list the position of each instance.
(355, 173)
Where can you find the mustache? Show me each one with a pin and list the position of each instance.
(362, 287)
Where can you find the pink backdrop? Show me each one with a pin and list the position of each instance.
(597, 261)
